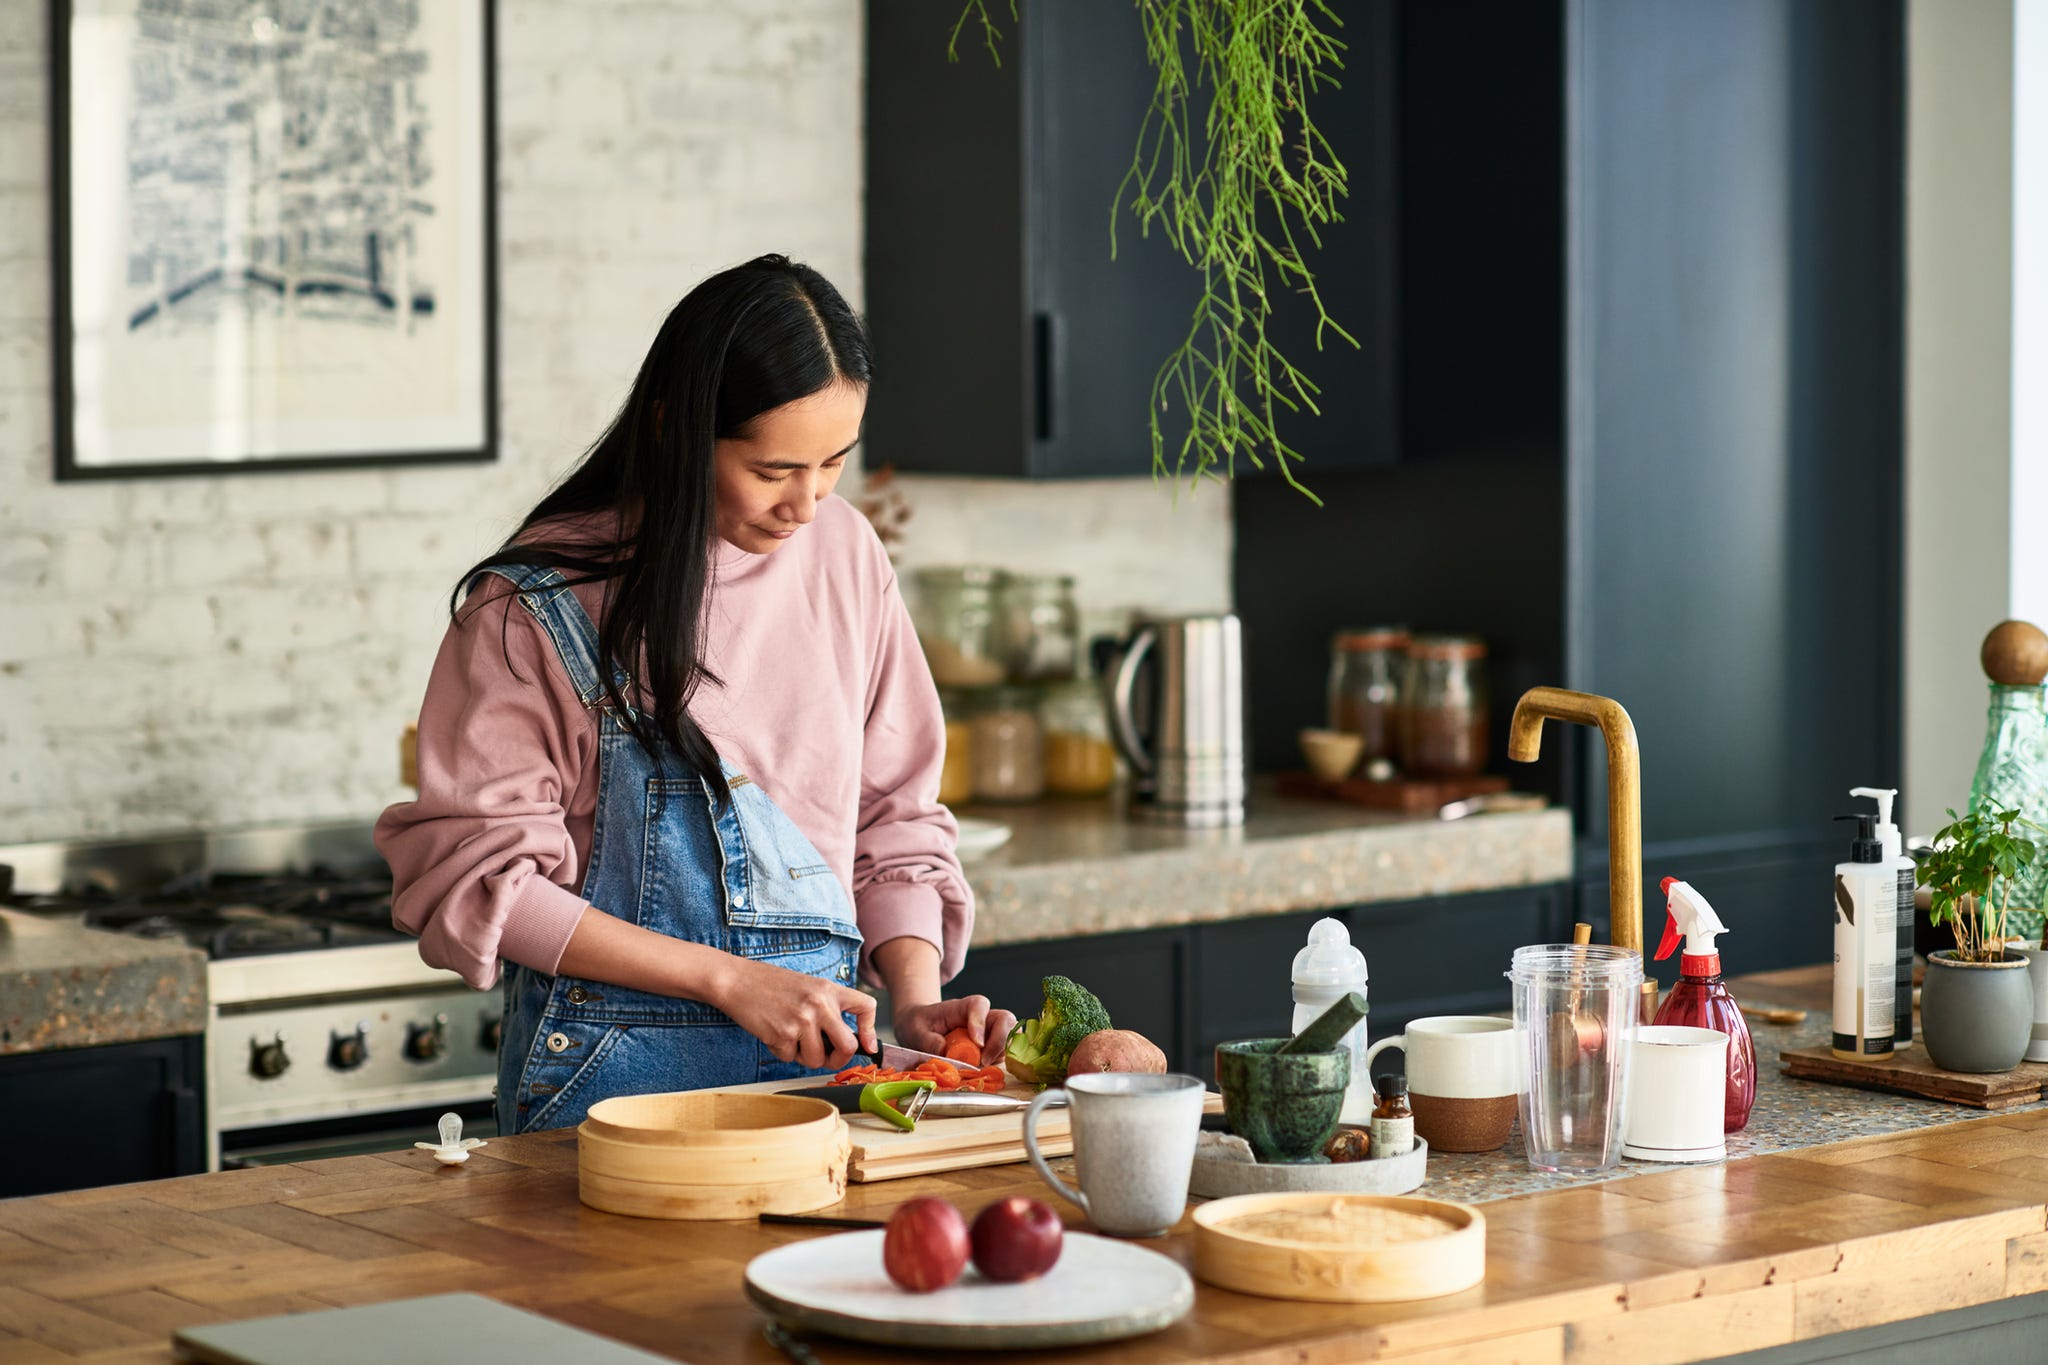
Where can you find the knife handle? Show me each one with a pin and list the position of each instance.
(844, 1098)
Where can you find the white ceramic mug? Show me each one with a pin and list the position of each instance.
(1677, 1102)
(1134, 1147)
(1464, 1079)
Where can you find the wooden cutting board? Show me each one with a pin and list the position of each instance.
(1911, 1073)
(882, 1152)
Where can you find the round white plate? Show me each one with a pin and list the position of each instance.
(1099, 1290)
(980, 836)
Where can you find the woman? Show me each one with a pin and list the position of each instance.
(679, 755)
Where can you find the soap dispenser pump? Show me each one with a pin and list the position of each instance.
(1701, 999)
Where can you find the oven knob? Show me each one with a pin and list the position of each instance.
(493, 1030)
(425, 1042)
(268, 1060)
(347, 1051)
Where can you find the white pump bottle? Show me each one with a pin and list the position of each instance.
(1902, 869)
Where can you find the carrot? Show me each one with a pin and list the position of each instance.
(961, 1047)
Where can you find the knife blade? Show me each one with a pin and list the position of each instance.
(890, 1057)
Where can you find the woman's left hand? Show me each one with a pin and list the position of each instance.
(924, 1027)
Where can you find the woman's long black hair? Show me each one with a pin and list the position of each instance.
(743, 342)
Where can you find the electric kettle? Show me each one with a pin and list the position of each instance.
(1176, 712)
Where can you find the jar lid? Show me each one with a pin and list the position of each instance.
(1370, 637)
(1329, 959)
(1447, 647)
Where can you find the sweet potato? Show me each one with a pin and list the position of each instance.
(1116, 1049)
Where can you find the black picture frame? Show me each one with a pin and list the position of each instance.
(464, 431)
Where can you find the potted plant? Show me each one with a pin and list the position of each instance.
(1977, 1006)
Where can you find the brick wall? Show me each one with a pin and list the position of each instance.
(221, 651)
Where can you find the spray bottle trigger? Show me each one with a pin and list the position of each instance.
(1672, 938)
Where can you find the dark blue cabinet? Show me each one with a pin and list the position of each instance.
(77, 1117)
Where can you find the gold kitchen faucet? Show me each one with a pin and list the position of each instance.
(1624, 802)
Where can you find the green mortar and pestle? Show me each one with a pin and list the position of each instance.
(1283, 1095)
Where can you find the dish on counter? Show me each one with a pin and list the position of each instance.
(980, 837)
(1100, 1289)
(1339, 1248)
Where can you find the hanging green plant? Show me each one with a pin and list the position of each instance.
(1241, 188)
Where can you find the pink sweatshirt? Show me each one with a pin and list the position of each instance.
(827, 704)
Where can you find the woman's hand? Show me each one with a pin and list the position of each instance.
(797, 1016)
(924, 1027)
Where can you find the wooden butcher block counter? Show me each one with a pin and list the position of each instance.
(1666, 1266)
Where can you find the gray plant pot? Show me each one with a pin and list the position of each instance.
(1976, 1016)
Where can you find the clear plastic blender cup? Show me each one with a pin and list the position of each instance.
(1575, 1008)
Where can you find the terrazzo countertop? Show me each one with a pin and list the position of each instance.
(63, 985)
(1082, 867)
(1789, 1113)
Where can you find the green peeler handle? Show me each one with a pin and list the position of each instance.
(875, 1097)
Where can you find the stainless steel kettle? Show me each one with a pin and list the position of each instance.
(1180, 722)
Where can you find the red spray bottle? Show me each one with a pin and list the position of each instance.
(1699, 999)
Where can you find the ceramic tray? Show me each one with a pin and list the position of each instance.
(1100, 1290)
(1217, 1177)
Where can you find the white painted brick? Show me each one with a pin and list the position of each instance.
(170, 624)
(27, 564)
(42, 629)
(303, 551)
(322, 493)
(205, 557)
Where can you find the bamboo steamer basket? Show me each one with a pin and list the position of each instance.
(1360, 1270)
(705, 1154)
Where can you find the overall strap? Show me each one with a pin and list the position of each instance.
(549, 599)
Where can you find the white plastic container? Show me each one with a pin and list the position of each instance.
(1677, 1089)
(1324, 972)
(1866, 948)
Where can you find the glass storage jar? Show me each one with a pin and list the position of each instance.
(1008, 746)
(1038, 627)
(1079, 759)
(956, 624)
(1365, 688)
(956, 774)
(1443, 707)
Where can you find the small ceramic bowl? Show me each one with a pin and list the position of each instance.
(1331, 754)
(1284, 1104)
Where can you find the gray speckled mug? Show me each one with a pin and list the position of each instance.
(1134, 1147)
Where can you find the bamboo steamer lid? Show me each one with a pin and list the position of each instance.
(1339, 1248)
(705, 1154)
(2015, 654)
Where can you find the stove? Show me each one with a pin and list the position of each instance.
(326, 1033)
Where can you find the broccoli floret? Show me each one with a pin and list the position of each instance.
(1043, 1045)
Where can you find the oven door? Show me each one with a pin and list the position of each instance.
(350, 1135)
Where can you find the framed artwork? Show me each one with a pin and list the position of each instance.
(274, 234)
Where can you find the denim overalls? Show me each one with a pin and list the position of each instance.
(666, 856)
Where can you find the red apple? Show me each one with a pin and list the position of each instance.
(925, 1245)
(1016, 1239)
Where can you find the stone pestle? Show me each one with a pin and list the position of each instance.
(1327, 1029)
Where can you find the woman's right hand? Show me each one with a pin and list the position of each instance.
(797, 1016)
